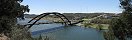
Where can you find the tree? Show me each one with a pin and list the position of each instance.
(9, 10)
(126, 17)
(126, 5)
(121, 27)
(117, 27)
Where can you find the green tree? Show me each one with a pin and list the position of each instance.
(126, 17)
(121, 27)
(126, 5)
(9, 10)
(117, 27)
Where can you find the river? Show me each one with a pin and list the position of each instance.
(67, 33)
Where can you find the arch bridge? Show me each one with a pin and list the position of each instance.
(63, 18)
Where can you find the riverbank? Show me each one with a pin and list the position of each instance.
(96, 26)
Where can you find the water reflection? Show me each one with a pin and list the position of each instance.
(74, 33)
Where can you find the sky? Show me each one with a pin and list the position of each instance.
(72, 6)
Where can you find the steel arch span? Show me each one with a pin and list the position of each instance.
(68, 22)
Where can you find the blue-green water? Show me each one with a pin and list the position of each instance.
(74, 33)
(66, 33)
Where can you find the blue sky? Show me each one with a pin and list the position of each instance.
(72, 6)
